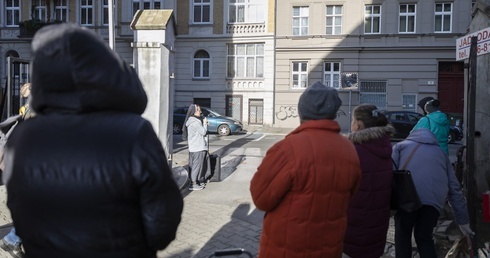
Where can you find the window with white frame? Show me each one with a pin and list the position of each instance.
(146, 4)
(334, 20)
(12, 12)
(105, 11)
(373, 92)
(61, 10)
(39, 10)
(245, 61)
(299, 73)
(331, 74)
(201, 64)
(300, 20)
(372, 19)
(409, 102)
(201, 10)
(407, 18)
(443, 17)
(246, 11)
(86, 12)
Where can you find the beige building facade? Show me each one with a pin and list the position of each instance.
(389, 53)
(225, 58)
(251, 59)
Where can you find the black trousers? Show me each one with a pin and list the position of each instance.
(422, 223)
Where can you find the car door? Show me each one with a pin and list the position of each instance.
(401, 123)
(212, 123)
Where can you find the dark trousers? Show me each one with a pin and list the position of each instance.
(422, 222)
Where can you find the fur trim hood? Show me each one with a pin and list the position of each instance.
(369, 134)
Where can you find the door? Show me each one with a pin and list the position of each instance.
(451, 87)
(256, 111)
(234, 106)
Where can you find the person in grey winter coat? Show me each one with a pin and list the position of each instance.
(88, 176)
(435, 182)
(196, 130)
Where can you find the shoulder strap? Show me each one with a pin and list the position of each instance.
(410, 157)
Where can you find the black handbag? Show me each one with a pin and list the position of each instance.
(404, 196)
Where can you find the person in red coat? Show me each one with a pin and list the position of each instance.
(305, 182)
(369, 210)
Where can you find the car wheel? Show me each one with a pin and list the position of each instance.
(177, 128)
(224, 130)
(451, 138)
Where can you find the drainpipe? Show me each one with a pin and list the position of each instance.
(111, 25)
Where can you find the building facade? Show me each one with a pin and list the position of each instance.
(20, 19)
(225, 57)
(252, 59)
(386, 52)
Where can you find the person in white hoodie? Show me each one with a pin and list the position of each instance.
(196, 130)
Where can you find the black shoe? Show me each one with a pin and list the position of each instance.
(203, 182)
(14, 250)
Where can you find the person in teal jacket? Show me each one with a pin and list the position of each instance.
(436, 121)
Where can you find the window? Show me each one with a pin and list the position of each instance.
(201, 11)
(443, 16)
(300, 75)
(407, 18)
(61, 10)
(372, 19)
(146, 4)
(334, 20)
(245, 61)
(331, 74)
(105, 11)
(373, 92)
(12, 12)
(248, 11)
(409, 102)
(201, 64)
(86, 12)
(39, 10)
(300, 20)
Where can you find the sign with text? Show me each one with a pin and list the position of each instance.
(463, 44)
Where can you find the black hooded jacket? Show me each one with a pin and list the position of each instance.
(88, 177)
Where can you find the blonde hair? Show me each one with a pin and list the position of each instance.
(25, 90)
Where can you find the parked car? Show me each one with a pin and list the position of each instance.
(219, 124)
(404, 121)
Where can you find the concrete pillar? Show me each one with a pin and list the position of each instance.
(154, 36)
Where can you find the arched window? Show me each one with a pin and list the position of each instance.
(201, 64)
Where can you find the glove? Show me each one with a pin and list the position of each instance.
(465, 228)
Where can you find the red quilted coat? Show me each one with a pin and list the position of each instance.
(304, 184)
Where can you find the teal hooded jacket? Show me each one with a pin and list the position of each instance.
(438, 124)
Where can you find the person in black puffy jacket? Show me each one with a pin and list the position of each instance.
(88, 176)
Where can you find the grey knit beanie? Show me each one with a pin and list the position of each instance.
(319, 102)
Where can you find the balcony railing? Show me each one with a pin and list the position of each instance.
(245, 28)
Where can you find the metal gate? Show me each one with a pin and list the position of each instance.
(256, 111)
(234, 106)
(18, 73)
